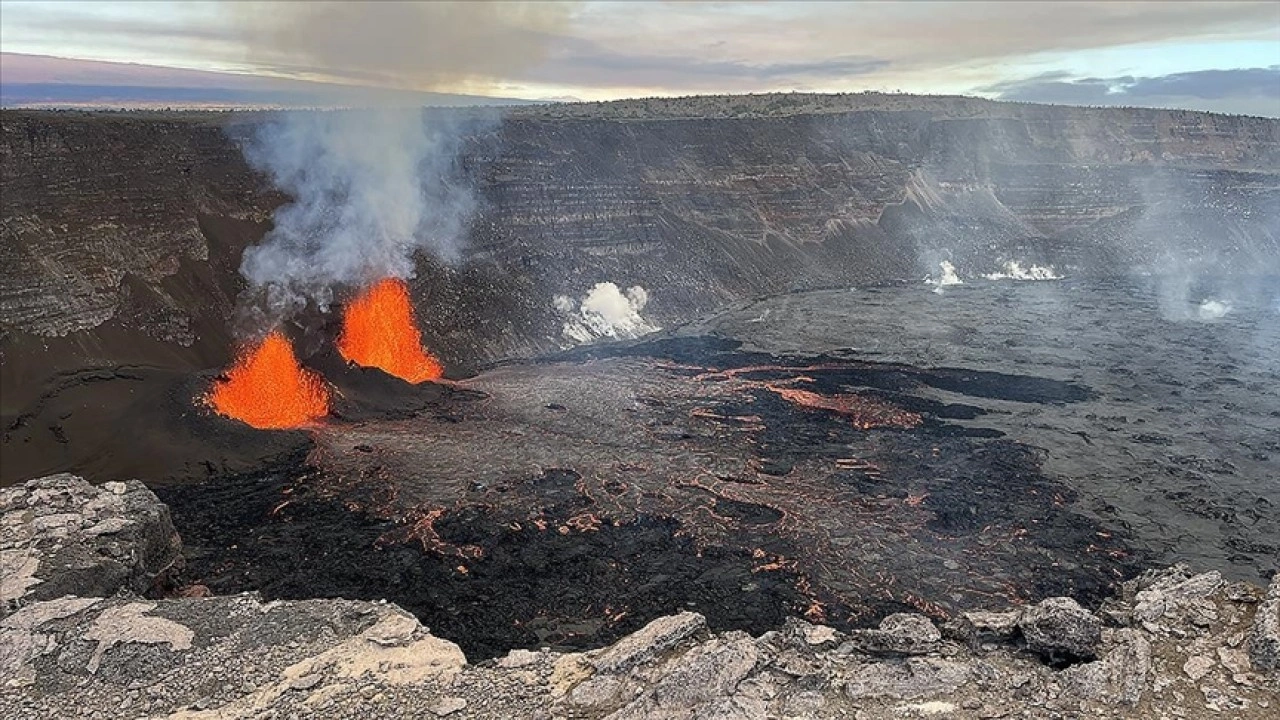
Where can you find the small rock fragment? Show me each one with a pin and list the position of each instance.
(449, 706)
(1197, 666)
(306, 682)
(518, 658)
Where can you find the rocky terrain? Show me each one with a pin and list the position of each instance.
(1172, 645)
(122, 232)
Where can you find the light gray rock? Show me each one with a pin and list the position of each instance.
(1264, 637)
(650, 641)
(1059, 629)
(448, 706)
(1120, 677)
(701, 683)
(59, 535)
(1001, 624)
(1175, 594)
(907, 679)
(708, 671)
(982, 626)
(810, 635)
(898, 634)
(519, 658)
(601, 691)
(1197, 666)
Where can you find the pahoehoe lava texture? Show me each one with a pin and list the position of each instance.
(528, 587)
(567, 502)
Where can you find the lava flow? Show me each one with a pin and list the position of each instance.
(268, 389)
(378, 331)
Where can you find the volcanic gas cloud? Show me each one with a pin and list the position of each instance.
(378, 331)
(268, 389)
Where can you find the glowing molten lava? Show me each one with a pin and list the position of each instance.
(378, 331)
(267, 388)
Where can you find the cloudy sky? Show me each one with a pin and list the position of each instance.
(1215, 55)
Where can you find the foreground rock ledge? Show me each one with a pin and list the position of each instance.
(59, 535)
(1175, 645)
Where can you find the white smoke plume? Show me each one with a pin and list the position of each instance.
(373, 187)
(946, 276)
(605, 312)
(1013, 270)
(370, 189)
(1212, 309)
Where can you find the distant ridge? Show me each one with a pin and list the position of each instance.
(53, 82)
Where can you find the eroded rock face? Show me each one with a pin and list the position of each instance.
(656, 637)
(1174, 596)
(59, 535)
(899, 634)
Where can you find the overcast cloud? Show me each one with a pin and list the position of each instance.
(1210, 54)
(1245, 90)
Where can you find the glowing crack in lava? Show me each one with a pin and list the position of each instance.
(378, 331)
(268, 389)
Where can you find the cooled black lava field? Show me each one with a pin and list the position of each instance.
(840, 455)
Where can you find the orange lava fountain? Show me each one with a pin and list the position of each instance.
(378, 331)
(268, 389)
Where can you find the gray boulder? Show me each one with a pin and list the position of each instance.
(648, 642)
(1174, 596)
(898, 634)
(1059, 629)
(1264, 637)
(1120, 677)
(59, 535)
(980, 626)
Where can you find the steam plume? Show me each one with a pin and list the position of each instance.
(947, 276)
(375, 186)
(605, 311)
(1013, 270)
(370, 188)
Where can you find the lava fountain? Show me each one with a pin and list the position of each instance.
(268, 389)
(378, 331)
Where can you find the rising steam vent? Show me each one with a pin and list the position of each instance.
(378, 331)
(268, 389)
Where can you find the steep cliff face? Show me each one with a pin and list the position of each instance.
(122, 233)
